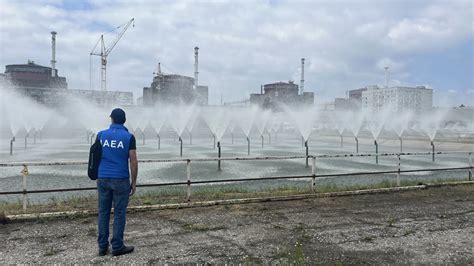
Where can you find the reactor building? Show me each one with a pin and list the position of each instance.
(277, 95)
(43, 84)
(176, 89)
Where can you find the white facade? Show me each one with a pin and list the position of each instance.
(415, 99)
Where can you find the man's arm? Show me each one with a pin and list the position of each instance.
(133, 170)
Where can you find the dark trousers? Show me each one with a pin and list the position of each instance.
(116, 192)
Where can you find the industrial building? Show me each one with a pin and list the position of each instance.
(176, 89)
(45, 85)
(398, 98)
(276, 95)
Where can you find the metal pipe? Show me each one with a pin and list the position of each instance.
(159, 141)
(313, 173)
(399, 169)
(143, 137)
(26, 140)
(342, 141)
(401, 144)
(376, 151)
(357, 144)
(219, 155)
(248, 146)
(470, 166)
(11, 145)
(307, 152)
(188, 177)
(433, 151)
(180, 147)
(262, 139)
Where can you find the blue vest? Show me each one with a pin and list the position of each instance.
(115, 152)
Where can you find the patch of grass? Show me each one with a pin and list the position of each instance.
(92, 231)
(251, 260)
(368, 239)
(51, 252)
(391, 221)
(408, 232)
(197, 227)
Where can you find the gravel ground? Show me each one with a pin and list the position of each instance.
(433, 226)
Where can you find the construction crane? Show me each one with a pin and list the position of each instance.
(105, 51)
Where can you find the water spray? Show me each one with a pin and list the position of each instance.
(376, 152)
(262, 140)
(92, 137)
(26, 140)
(180, 147)
(214, 138)
(269, 138)
(34, 137)
(307, 152)
(159, 141)
(342, 141)
(432, 151)
(232, 134)
(248, 146)
(357, 144)
(190, 138)
(143, 137)
(219, 155)
(302, 142)
(11, 145)
(401, 144)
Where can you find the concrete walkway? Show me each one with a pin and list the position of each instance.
(432, 226)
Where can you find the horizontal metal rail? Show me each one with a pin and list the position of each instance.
(172, 160)
(233, 180)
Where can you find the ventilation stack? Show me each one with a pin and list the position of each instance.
(196, 72)
(53, 54)
(302, 76)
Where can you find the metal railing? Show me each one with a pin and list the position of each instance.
(189, 182)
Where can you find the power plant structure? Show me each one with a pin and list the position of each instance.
(277, 95)
(43, 84)
(176, 89)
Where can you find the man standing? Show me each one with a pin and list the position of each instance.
(113, 182)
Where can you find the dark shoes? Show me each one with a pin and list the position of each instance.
(103, 252)
(123, 251)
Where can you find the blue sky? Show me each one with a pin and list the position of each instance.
(247, 43)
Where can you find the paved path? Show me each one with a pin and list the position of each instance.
(433, 226)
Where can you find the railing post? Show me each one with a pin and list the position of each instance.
(470, 166)
(398, 174)
(24, 172)
(188, 177)
(313, 174)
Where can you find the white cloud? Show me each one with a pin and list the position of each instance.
(242, 43)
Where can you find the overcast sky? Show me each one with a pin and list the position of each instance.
(247, 43)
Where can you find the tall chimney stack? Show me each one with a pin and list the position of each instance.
(302, 76)
(53, 54)
(196, 72)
